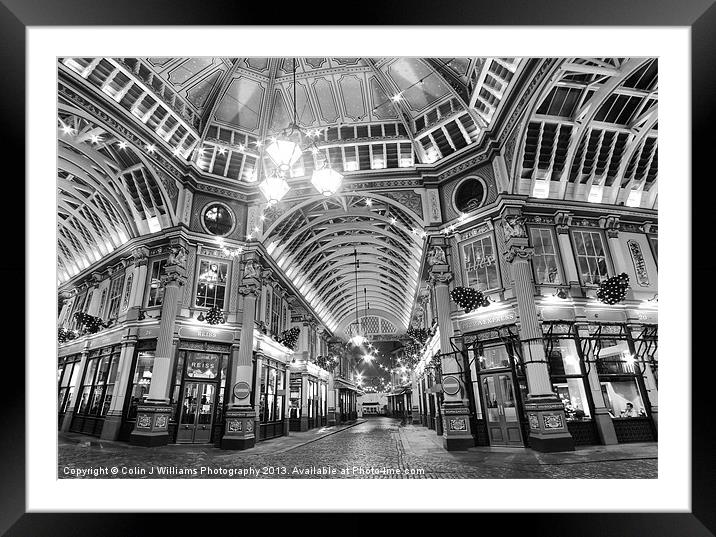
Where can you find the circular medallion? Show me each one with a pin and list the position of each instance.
(451, 385)
(242, 390)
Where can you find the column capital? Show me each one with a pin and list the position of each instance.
(611, 225)
(250, 288)
(519, 252)
(562, 221)
(442, 278)
(173, 275)
(140, 256)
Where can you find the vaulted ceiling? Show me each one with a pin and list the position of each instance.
(584, 129)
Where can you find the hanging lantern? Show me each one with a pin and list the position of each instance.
(284, 153)
(274, 187)
(327, 181)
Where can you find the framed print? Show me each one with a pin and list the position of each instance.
(421, 254)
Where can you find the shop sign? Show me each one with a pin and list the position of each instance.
(204, 333)
(203, 366)
(481, 321)
(647, 316)
(451, 385)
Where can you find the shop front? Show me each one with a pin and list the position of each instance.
(499, 386)
(612, 353)
(347, 401)
(308, 396)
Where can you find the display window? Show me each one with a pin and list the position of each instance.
(68, 372)
(619, 372)
(98, 382)
(566, 370)
(140, 381)
(270, 398)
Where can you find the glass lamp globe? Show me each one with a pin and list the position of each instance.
(284, 153)
(274, 188)
(327, 181)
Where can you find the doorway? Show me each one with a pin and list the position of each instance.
(500, 403)
(197, 413)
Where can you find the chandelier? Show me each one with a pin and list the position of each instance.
(286, 149)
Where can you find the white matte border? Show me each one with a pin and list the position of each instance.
(671, 492)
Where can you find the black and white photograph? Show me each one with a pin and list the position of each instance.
(397, 265)
(357, 267)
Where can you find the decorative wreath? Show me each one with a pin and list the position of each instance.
(613, 290)
(468, 298)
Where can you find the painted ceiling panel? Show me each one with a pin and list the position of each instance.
(419, 84)
(353, 97)
(326, 100)
(241, 105)
(199, 93)
(189, 69)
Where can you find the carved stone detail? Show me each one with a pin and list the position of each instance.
(518, 252)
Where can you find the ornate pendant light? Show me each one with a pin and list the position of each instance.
(274, 187)
(286, 149)
(327, 181)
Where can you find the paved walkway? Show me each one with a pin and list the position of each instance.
(369, 448)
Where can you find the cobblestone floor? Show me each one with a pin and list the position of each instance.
(373, 448)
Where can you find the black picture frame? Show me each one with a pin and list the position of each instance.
(699, 15)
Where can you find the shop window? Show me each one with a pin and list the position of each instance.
(545, 261)
(480, 264)
(295, 398)
(567, 376)
(156, 289)
(211, 285)
(493, 357)
(115, 295)
(67, 375)
(270, 401)
(98, 382)
(141, 381)
(591, 256)
(619, 374)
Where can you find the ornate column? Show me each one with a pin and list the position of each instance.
(545, 411)
(154, 413)
(455, 408)
(136, 295)
(240, 414)
(605, 425)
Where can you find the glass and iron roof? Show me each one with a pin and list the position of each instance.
(586, 131)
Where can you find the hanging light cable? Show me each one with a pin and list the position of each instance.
(357, 338)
